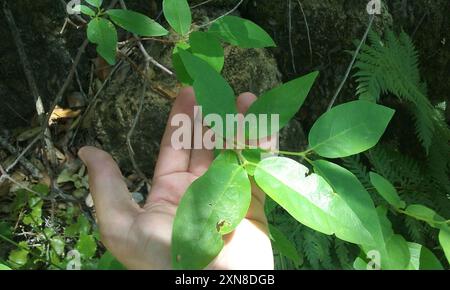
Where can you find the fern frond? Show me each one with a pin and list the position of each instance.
(392, 66)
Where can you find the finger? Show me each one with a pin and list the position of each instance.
(170, 159)
(202, 158)
(113, 202)
(244, 101)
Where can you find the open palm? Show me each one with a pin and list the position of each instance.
(140, 238)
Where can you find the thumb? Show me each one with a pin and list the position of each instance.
(113, 202)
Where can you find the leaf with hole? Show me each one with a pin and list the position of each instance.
(178, 14)
(241, 32)
(103, 33)
(349, 129)
(212, 206)
(136, 23)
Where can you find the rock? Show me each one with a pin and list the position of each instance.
(334, 25)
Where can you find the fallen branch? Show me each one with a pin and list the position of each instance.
(35, 173)
(29, 76)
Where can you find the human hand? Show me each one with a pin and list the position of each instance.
(140, 238)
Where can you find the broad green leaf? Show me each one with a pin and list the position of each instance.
(349, 129)
(178, 14)
(284, 246)
(86, 246)
(95, 3)
(212, 206)
(241, 32)
(347, 186)
(4, 267)
(207, 47)
(212, 91)
(58, 245)
(82, 226)
(85, 10)
(103, 33)
(422, 258)
(311, 200)
(182, 74)
(393, 252)
(425, 214)
(136, 23)
(386, 190)
(392, 248)
(444, 240)
(284, 101)
(19, 257)
(109, 262)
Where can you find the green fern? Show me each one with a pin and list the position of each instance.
(391, 66)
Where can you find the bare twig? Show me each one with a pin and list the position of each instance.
(349, 69)
(22, 154)
(201, 4)
(29, 75)
(94, 99)
(291, 47)
(222, 16)
(25, 163)
(133, 127)
(147, 57)
(307, 30)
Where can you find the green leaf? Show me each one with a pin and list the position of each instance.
(254, 156)
(425, 214)
(212, 206)
(178, 14)
(58, 245)
(444, 240)
(386, 190)
(347, 186)
(4, 267)
(212, 91)
(207, 47)
(86, 246)
(422, 258)
(349, 129)
(284, 246)
(85, 10)
(312, 202)
(284, 101)
(241, 32)
(95, 3)
(136, 23)
(35, 216)
(182, 74)
(19, 257)
(109, 262)
(103, 33)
